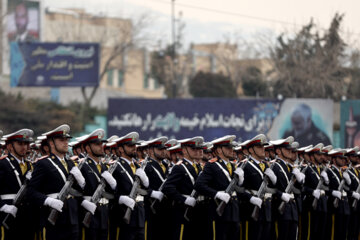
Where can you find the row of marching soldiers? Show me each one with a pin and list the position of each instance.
(123, 188)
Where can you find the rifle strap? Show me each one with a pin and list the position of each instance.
(316, 173)
(224, 171)
(337, 178)
(283, 171)
(158, 173)
(97, 177)
(128, 175)
(189, 174)
(356, 178)
(15, 172)
(59, 170)
(257, 169)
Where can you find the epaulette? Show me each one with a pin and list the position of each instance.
(179, 162)
(74, 158)
(3, 157)
(213, 160)
(41, 158)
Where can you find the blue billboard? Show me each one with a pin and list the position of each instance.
(54, 64)
(310, 121)
(183, 118)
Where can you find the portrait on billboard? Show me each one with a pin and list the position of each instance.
(350, 123)
(23, 23)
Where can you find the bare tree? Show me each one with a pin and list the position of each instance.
(311, 64)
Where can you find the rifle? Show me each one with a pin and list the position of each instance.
(152, 205)
(354, 205)
(65, 191)
(319, 186)
(340, 188)
(229, 189)
(289, 188)
(95, 198)
(134, 191)
(260, 194)
(9, 219)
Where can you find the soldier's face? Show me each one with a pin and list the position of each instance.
(62, 145)
(97, 149)
(259, 151)
(130, 150)
(20, 148)
(318, 158)
(159, 153)
(340, 161)
(228, 152)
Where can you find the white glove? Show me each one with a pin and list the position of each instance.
(54, 203)
(336, 194)
(240, 173)
(142, 175)
(90, 206)
(190, 201)
(325, 177)
(316, 193)
(157, 195)
(347, 178)
(356, 195)
(256, 201)
(295, 171)
(223, 196)
(109, 179)
(285, 197)
(270, 173)
(300, 177)
(127, 201)
(78, 176)
(28, 175)
(11, 209)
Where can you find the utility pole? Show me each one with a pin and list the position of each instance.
(174, 59)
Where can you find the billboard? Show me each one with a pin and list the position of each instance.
(213, 118)
(23, 21)
(54, 64)
(350, 123)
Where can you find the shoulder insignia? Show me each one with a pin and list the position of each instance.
(123, 162)
(213, 160)
(41, 158)
(179, 162)
(89, 161)
(186, 163)
(12, 159)
(149, 161)
(3, 157)
(52, 157)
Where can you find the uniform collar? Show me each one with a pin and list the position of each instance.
(127, 161)
(277, 157)
(252, 158)
(19, 161)
(189, 161)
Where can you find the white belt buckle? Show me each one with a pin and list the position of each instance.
(233, 194)
(103, 201)
(344, 194)
(267, 195)
(139, 198)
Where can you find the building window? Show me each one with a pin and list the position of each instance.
(110, 76)
(120, 78)
(146, 81)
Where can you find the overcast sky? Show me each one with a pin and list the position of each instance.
(209, 20)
